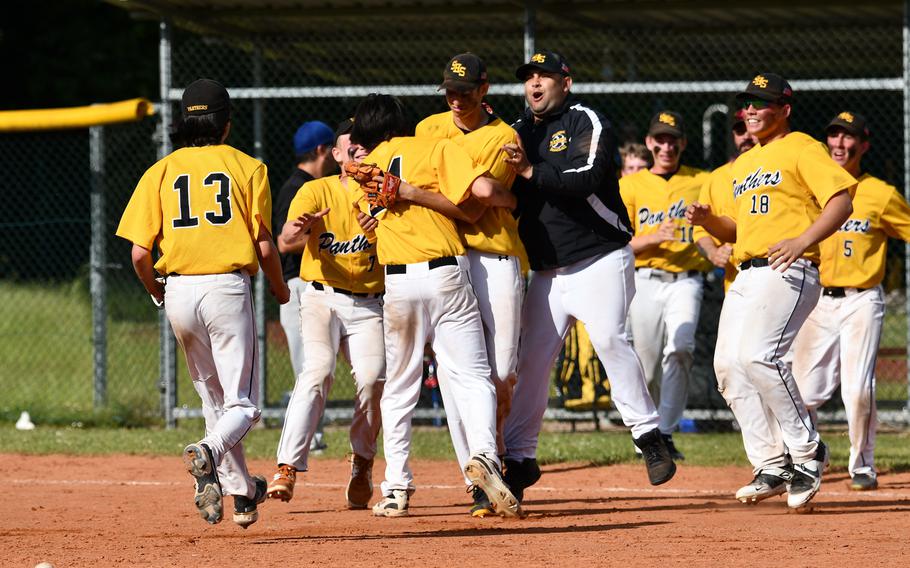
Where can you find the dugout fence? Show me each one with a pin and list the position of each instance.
(299, 61)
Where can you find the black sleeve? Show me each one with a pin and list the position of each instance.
(591, 159)
(280, 206)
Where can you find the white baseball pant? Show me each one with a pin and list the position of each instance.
(499, 288)
(838, 345)
(212, 318)
(663, 318)
(438, 306)
(762, 313)
(289, 314)
(332, 320)
(596, 291)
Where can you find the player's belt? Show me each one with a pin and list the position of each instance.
(666, 276)
(319, 286)
(761, 263)
(435, 263)
(839, 292)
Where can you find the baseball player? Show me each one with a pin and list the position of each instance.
(494, 249)
(313, 150)
(342, 308)
(429, 299)
(635, 157)
(208, 208)
(576, 232)
(669, 269)
(715, 192)
(839, 341)
(788, 195)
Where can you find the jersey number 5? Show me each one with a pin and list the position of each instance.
(222, 199)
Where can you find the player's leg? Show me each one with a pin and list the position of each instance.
(681, 311)
(289, 314)
(363, 334)
(646, 323)
(816, 354)
(861, 328)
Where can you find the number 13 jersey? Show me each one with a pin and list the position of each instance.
(204, 207)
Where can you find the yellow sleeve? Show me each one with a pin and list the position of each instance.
(261, 211)
(306, 200)
(142, 218)
(627, 193)
(455, 170)
(895, 218)
(822, 175)
(491, 155)
(423, 128)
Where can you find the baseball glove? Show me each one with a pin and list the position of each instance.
(381, 193)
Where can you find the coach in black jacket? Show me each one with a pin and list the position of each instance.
(576, 232)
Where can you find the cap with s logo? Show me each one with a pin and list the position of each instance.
(204, 96)
(667, 122)
(546, 61)
(465, 72)
(852, 123)
(769, 87)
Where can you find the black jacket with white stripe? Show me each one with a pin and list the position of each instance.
(570, 209)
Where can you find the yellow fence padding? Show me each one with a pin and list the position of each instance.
(75, 117)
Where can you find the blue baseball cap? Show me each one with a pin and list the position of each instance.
(310, 135)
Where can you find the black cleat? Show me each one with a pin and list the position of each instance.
(482, 506)
(671, 447)
(519, 475)
(661, 468)
(245, 508)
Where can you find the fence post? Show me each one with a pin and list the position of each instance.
(98, 266)
(906, 93)
(259, 154)
(167, 355)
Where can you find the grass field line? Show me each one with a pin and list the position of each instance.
(438, 487)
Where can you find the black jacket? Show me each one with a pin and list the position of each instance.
(570, 209)
(281, 202)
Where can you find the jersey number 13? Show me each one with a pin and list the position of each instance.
(222, 199)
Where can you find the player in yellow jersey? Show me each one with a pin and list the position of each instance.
(838, 344)
(340, 307)
(669, 269)
(429, 298)
(207, 207)
(715, 192)
(788, 196)
(494, 249)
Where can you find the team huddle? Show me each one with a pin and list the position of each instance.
(425, 238)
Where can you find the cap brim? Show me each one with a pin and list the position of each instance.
(666, 129)
(460, 86)
(523, 71)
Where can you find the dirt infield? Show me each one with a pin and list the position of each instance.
(137, 511)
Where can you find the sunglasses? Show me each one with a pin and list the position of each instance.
(757, 104)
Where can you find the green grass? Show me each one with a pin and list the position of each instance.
(600, 448)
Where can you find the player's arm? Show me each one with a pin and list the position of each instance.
(271, 265)
(720, 226)
(836, 211)
(145, 270)
(294, 235)
(493, 193)
(469, 210)
(666, 232)
(719, 255)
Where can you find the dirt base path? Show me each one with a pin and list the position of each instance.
(138, 511)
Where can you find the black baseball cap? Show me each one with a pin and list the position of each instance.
(204, 96)
(853, 123)
(344, 127)
(667, 122)
(548, 61)
(769, 87)
(465, 72)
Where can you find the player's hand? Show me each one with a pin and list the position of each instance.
(518, 158)
(720, 255)
(367, 223)
(697, 213)
(156, 290)
(281, 291)
(666, 232)
(305, 222)
(781, 255)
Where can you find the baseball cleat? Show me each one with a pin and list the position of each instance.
(767, 483)
(483, 473)
(661, 468)
(807, 479)
(394, 505)
(201, 465)
(482, 506)
(864, 482)
(671, 448)
(245, 508)
(519, 475)
(282, 484)
(360, 486)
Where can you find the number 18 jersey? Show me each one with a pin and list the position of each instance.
(204, 207)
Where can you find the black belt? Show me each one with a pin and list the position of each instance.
(761, 263)
(666, 276)
(238, 271)
(320, 286)
(435, 263)
(839, 292)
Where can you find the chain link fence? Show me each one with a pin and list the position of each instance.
(315, 68)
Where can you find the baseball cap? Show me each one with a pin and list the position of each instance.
(548, 61)
(769, 87)
(667, 122)
(344, 127)
(204, 96)
(310, 135)
(853, 123)
(464, 72)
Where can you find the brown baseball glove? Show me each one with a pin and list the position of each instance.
(382, 193)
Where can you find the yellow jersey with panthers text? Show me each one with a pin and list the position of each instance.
(716, 192)
(779, 190)
(204, 207)
(650, 199)
(497, 230)
(337, 253)
(854, 256)
(409, 232)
